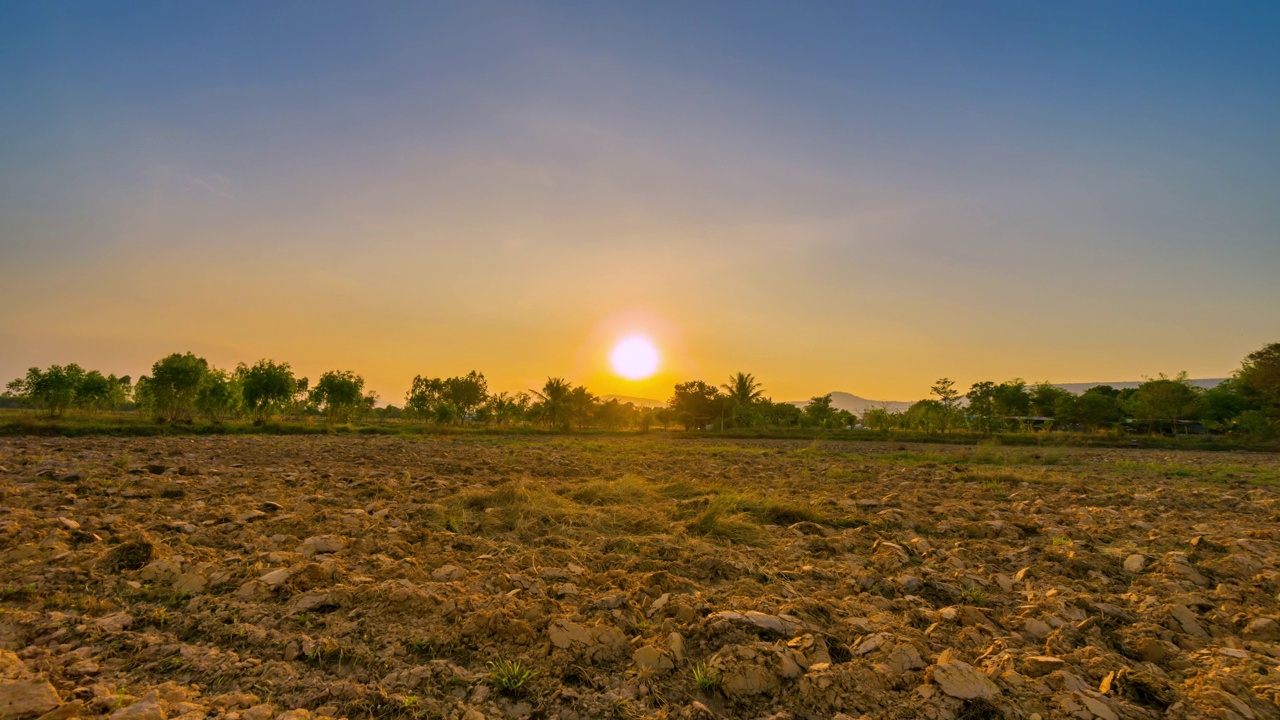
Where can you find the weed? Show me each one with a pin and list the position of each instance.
(1060, 540)
(706, 678)
(975, 596)
(122, 460)
(511, 676)
(424, 647)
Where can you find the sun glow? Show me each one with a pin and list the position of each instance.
(634, 358)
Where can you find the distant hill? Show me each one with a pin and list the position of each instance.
(859, 405)
(1078, 388)
(637, 401)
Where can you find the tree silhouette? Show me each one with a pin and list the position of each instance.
(553, 402)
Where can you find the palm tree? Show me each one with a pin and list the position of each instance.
(553, 405)
(743, 388)
(581, 402)
(743, 392)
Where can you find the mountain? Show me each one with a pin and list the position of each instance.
(1078, 388)
(637, 401)
(859, 405)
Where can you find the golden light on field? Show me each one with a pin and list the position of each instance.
(634, 358)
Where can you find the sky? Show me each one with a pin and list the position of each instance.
(855, 196)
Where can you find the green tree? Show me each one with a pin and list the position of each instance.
(467, 392)
(695, 403)
(819, 412)
(424, 396)
(175, 385)
(219, 395)
(1164, 399)
(948, 396)
(928, 415)
(743, 395)
(1259, 379)
(100, 392)
(339, 394)
(267, 388)
(53, 390)
(552, 406)
(1043, 399)
(581, 406)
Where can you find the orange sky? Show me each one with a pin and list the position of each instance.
(856, 198)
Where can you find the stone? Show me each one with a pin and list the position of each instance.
(564, 634)
(321, 545)
(190, 583)
(21, 699)
(299, 714)
(65, 711)
(313, 601)
(675, 643)
(784, 625)
(1264, 629)
(148, 708)
(652, 659)
(250, 515)
(1039, 665)
(448, 573)
(1187, 619)
(1134, 563)
(115, 622)
(961, 680)
(1038, 629)
(905, 657)
(265, 711)
(276, 577)
(69, 524)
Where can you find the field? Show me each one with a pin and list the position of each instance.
(490, 576)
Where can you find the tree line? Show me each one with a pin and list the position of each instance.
(182, 387)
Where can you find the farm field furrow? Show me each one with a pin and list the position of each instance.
(299, 577)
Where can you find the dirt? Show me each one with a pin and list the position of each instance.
(290, 578)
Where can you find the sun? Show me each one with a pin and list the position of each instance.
(634, 357)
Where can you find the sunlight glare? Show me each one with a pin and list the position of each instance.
(634, 358)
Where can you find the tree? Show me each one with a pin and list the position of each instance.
(1259, 378)
(1164, 399)
(98, 391)
(219, 395)
(1043, 399)
(424, 396)
(928, 415)
(581, 404)
(53, 389)
(819, 412)
(467, 392)
(267, 388)
(695, 403)
(743, 394)
(948, 396)
(339, 394)
(1096, 408)
(175, 385)
(553, 402)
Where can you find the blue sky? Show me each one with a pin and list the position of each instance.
(857, 196)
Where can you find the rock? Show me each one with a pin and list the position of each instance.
(250, 515)
(651, 659)
(321, 545)
(65, 711)
(276, 577)
(265, 711)
(961, 680)
(68, 524)
(161, 571)
(1135, 563)
(675, 643)
(784, 625)
(271, 507)
(190, 583)
(1187, 619)
(1038, 629)
(157, 468)
(299, 714)
(904, 657)
(21, 699)
(448, 573)
(1264, 629)
(313, 601)
(115, 622)
(1039, 665)
(148, 708)
(564, 634)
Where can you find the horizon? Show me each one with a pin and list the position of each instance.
(860, 196)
